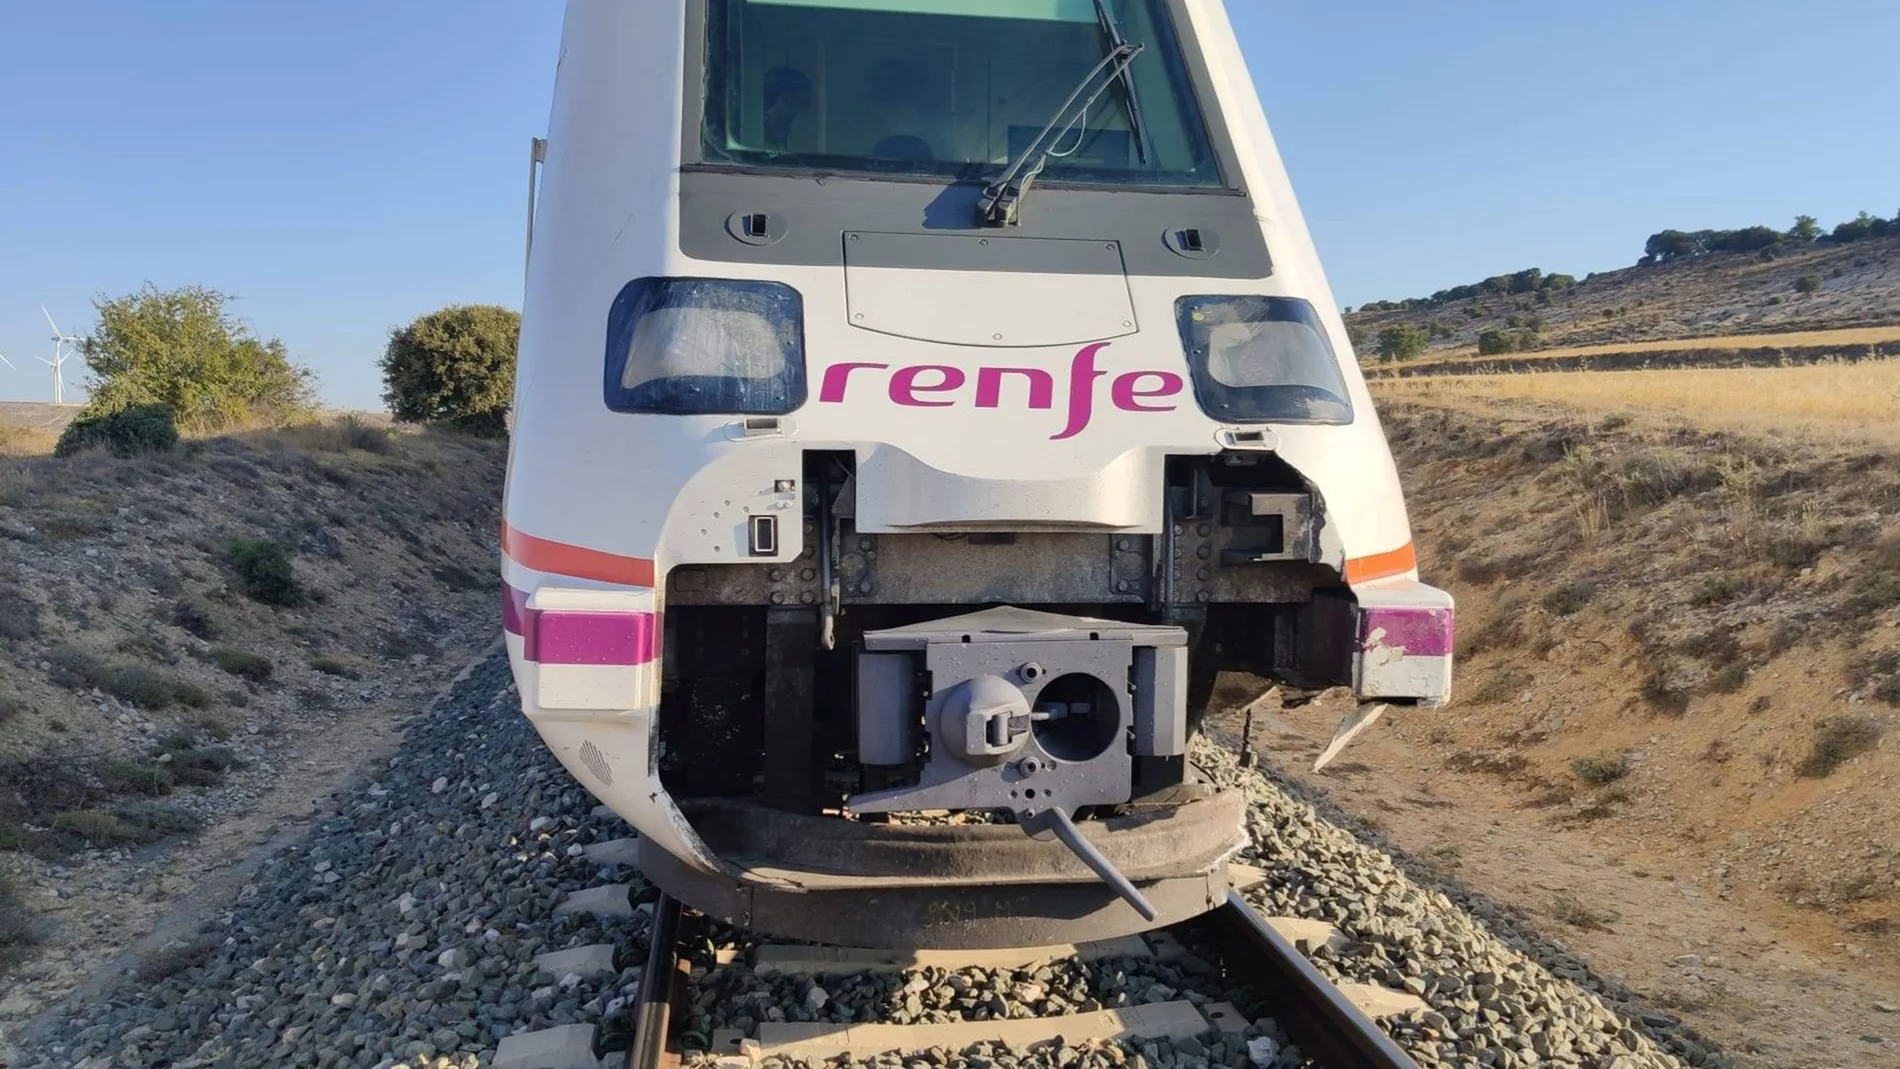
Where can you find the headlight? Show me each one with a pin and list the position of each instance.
(1262, 360)
(683, 346)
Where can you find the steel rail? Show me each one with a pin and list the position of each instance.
(1315, 1014)
(659, 987)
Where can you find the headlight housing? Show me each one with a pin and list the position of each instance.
(1262, 360)
(692, 346)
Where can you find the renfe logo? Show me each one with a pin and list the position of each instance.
(936, 386)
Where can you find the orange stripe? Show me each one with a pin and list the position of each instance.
(1382, 565)
(560, 558)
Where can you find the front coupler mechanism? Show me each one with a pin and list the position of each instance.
(1031, 712)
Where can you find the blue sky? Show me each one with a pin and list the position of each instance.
(345, 166)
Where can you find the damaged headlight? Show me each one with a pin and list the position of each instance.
(1262, 360)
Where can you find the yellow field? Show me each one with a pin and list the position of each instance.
(1855, 400)
(1842, 339)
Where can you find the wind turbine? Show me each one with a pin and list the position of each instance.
(61, 340)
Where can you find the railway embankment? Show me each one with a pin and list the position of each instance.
(195, 644)
(413, 923)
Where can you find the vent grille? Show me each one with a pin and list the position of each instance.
(596, 762)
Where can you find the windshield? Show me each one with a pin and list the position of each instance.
(951, 88)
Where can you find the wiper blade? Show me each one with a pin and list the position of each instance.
(1002, 198)
(1126, 77)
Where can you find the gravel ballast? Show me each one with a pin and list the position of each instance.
(402, 931)
(1494, 1004)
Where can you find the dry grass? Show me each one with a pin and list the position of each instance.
(1810, 339)
(1853, 399)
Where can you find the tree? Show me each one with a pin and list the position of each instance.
(1402, 342)
(181, 349)
(454, 367)
(1806, 228)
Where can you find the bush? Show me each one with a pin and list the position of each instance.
(264, 571)
(96, 828)
(181, 349)
(18, 930)
(137, 777)
(254, 667)
(1838, 740)
(125, 432)
(19, 616)
(1402, 342)
(1808, 284)
(331, 666)
(195, 619)
(454, 367)
(1602, 769)
(148, 688)
(1571, 597)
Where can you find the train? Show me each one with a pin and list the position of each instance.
(919, 404)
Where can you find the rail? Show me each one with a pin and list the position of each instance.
(1328, 1028)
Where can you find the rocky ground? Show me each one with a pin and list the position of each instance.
(401, 930)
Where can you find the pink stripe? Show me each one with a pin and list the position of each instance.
(1419, 632)
(589, 638)
(514, 609)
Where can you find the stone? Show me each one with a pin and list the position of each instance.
(441, 784)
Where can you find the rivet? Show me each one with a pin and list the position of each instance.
(807, 597)
(997, 337)
(864, 588)
(859, 317)
(1122, 545)
(775, 574)
(1206, 529)
(864, 543)
(1204, 574)
(808, 575)
(1202, 596)
(778, 597)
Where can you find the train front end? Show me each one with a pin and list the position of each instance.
(920, 402)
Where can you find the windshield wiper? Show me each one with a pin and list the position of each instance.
(1126, 77)
(1001, 202)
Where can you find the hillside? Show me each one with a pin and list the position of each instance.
(1671, 745)
(1712, 296)
(193, 643)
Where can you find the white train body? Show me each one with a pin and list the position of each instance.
(788, 408)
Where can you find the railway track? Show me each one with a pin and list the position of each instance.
(1199, 1025)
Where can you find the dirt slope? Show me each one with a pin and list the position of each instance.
(1673, 739)
(1719, 295)
(159, 689)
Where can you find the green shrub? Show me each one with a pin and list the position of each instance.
(95, 828)
(18, 929)
(264, 571)
(454, 367)
(331, 666)
(1571, 597)
(1729, 679)
(181, 349)
(125, 432)
(137, 777)
(147, 688)
(201, 766)
(1402, 342)
(1808, 284)
(254, 667)
(19, 616)
(1602, 769)
(195, 619)
(1838, 740)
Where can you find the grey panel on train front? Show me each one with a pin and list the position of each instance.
(816, 211)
